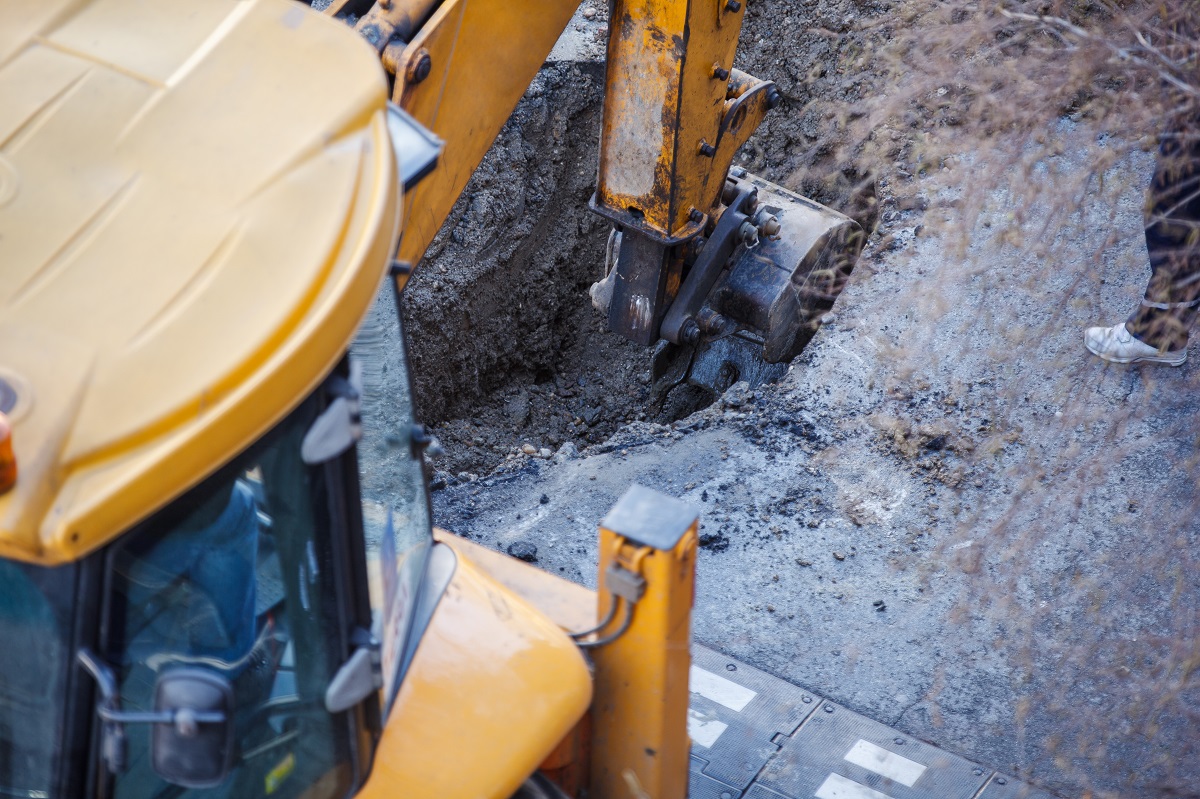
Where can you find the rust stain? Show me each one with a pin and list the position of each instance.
(661, 101)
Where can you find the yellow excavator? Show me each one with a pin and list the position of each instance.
(198, 203)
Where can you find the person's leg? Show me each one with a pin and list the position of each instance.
(1172, 298)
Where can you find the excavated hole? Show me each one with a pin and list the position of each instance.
(597, 383)
(577, 382)
(506, 349)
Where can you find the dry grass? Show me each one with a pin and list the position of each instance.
(1027, 127)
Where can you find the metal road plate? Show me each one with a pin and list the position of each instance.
(755, 736)
(1002, 786)
(839, 754)
(737, 718)
(702, 787)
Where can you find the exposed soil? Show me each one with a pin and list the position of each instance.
(501, 329)
(513, 359)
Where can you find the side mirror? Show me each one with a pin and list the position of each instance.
(195, 748)
(192, 741)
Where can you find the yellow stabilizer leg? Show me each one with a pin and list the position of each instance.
(648, 566)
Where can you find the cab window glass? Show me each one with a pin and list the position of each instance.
(396, 516)
(35, 624)
(238, 579)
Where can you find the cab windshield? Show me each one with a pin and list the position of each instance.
(35, 628)
(395, 503)
(240, 578)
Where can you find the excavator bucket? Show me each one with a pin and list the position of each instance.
(732, 272)
(769, 298)
(753, 296)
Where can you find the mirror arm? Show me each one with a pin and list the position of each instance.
(184, 719)
(113, 743)
(112, 734)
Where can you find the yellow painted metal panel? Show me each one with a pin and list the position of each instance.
(114, 32)
(492, 690)
(23, 21)
(200, 220)
(646, 48)
(497, 44)
(713, 30)
(567, 604)
(639, 718)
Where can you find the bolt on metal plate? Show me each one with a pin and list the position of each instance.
(1001, 786)
(737, 718)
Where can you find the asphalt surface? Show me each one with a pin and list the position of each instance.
(948, 516)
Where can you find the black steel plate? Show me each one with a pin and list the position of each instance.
(839, 754)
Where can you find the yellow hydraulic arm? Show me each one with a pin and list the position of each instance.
(675, 113)
(459, 67)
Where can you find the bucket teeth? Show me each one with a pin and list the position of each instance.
(711, 366)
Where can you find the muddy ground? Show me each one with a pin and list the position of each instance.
(946, 516)
(510, 351)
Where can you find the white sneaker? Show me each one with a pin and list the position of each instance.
(1118, 345)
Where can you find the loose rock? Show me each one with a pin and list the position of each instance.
(523, 550)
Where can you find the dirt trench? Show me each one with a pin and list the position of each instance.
(509, 350)
(512, 359)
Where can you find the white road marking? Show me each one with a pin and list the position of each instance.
(838, 787)
(896, 768)
(704, 731)
(853, 355)
(720, 690)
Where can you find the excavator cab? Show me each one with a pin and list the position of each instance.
(211, 648)
(240, 600)
(243, 597)
(198, 204)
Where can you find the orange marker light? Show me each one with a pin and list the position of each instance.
(8, 461)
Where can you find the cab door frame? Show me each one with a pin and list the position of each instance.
(352, 618)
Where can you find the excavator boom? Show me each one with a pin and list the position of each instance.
(729, 273)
